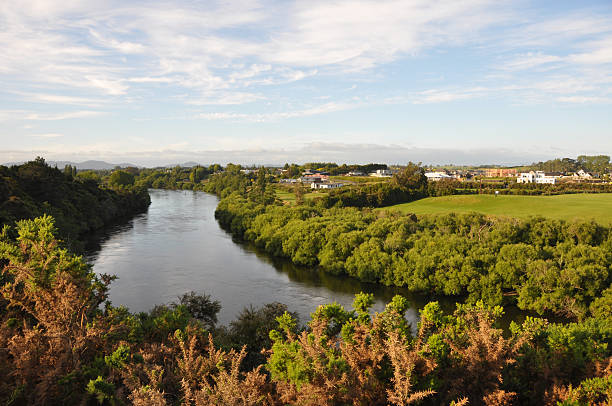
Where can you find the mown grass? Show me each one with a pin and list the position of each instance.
(584, 206)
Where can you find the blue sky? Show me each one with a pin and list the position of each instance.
(159, 82)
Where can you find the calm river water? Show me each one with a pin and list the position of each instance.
(177, 246)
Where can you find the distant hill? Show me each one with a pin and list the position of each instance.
(81, 165)
(189, 164)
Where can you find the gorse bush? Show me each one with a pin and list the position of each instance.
(58, 345)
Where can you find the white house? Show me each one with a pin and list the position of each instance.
(526, 177)
(583, 174)
(537, 177)
(326, 185)
(382, 173)
(436, 176)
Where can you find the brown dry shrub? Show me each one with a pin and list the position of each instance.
(479, 356)
(359, 367)
(51, 293)
(558, 394)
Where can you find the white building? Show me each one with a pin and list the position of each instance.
(583, 174)
(326, 185)
(526, 177)
(436, 176)
(382, 173)
(536, 177)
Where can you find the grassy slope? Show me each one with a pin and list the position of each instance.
(565, 207)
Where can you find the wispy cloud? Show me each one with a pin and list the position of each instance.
(267, 117)
(64, 116)
(25, 115)
(46, 135)
(440, 96)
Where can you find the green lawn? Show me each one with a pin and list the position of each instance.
(566, 207)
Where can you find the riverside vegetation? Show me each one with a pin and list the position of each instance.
(79, 202)
(61, 342)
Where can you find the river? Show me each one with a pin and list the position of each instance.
(177, 246)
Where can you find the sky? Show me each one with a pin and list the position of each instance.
(269, 82)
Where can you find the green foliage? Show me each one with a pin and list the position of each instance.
(592, 391)
(100, 389)
(546, 266)
(252, 328)
(201, 307)
(363, 302)
(78, 204)
(118, 358)
(121, 178)
(177, 178)
(410, 177)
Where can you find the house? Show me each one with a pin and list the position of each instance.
(288, 180)
(326, 185)
(382, 173)
(314, 178)
(355, 173)
(538, 177)
(582, 174)
(526, 177)
(499, 172)
(436, 176)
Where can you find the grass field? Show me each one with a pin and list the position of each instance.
(289, 197)
(565, 207)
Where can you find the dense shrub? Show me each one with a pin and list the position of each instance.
(78, 204)
(540, 265)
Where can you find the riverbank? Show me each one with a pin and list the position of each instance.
(499, 261)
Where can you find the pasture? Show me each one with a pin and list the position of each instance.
(583, 206)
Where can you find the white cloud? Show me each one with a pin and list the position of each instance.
(80, 45)
(599, 52)
(63, 116)
(267, 117)
(357, 35)
(45, 135)
(24, 115)
(302, 152)
(583, 99)
(60, 99)
(440, 96)
(531, 60)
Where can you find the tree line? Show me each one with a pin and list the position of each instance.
(79, 204)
